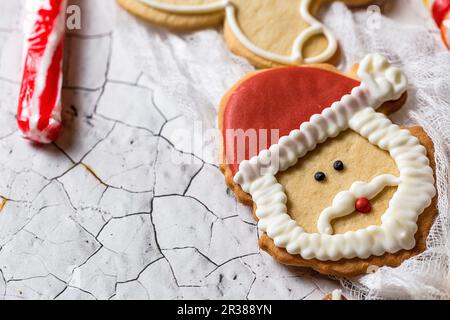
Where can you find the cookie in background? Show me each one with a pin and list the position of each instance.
(268, 33)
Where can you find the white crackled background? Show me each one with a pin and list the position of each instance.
(108, 211)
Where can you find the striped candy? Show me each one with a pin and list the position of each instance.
(39, 109)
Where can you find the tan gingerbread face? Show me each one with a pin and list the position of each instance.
(267, 32)
(307, 198)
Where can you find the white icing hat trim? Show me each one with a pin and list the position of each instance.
(315, 28)
(381, 82)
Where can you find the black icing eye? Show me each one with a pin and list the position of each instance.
(320, 176)
(338, 165)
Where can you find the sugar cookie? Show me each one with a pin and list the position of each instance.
(266, 32)
(334, 184)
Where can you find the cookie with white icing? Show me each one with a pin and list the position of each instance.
(266, 32)
(334, 184)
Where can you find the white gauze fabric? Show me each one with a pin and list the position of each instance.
(194, 70)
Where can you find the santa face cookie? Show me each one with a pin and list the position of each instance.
(334, 184)
(266, 32)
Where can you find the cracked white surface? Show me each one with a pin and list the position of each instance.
(105, 213)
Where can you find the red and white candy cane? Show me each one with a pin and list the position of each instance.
(39, 110)
(441, 14)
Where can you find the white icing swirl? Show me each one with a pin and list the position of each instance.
(386, 82)
(296, 56)
(356, 111)
(218, 5)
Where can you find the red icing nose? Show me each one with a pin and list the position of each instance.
(363, 205)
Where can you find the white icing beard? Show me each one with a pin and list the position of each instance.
(380, 83)
(296, 56)
(344, 202)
